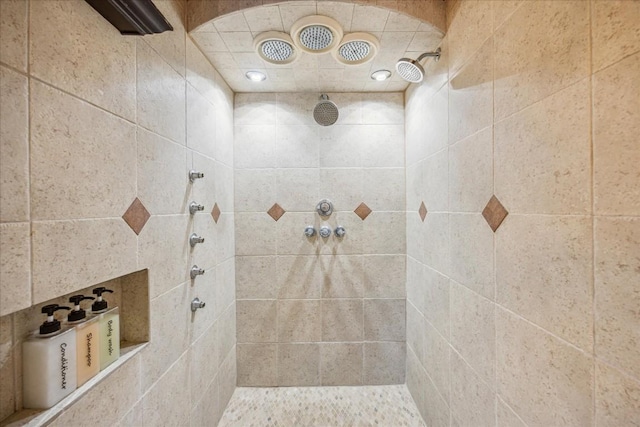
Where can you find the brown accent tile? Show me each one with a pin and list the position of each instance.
(136, 216)
(422, 211)
(362, 211)
(276, 212)
(494, 213)
(215, 213)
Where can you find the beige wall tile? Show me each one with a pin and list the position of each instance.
(416, 332)
(617, 397)
(343, 276)
(255, 190)
(257, 365)
(171, 44)
(342, 320)
(380, 363)
(344, 187)
(61, 262)
(416, 380)
(472, 400)
(224, 186)
(341, 146)
(298, 364)
(615, 31)
(436, 182)
(505, 416)
(203, 190)
(255, 277)
(201, 74)
(299, 277)
(297, 146)
(546, 381)
(383, 146)
(66, 183)
(384, 319)
(299, 320)
(470, 27)
(297, 189)
(290, 238)
(543, 273)
(201, 123)
(379, 109)
(14, 140)
(254, 146)
(68, 60)
(473, 331)
(202, 352)
(161, 407)
(503, 9)
(471, 172)
(228, 379)
(133, 417)
(225, 290)
(160, 92)
(437, 356)
(383, 189)
(250, 243)
(13, 32)
(384, 233)
(226, 247)
(255, 109)
(256, 321)
(536, 60)
(384, 276)
(616, 125)
(15, 267)
(341, 364)
(436, 304)
(617, 243)
(437, 242)
(7, 368)
(205, 288)
(203, 411)
(542, 162)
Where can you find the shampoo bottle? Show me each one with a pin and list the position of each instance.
(88, 341)
(109, 328)
(48, 362)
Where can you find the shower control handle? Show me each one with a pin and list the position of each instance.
(196, 271)
(196, 304)
(195, 207)
(309, 231)
(325, 231)
(340, 231)
(194, 239)
(193, 175)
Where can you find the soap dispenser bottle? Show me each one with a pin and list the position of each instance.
(48, 362)
(109, 328)
(88, 341)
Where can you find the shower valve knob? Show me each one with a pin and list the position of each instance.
(309, 231)
(195, 207)
(196, 271)
(325, 231)
(340, 231)
(196, 304)
(194, 239)
(193, 175)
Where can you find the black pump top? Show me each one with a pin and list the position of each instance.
(100, 304)
(51, 325)
(77, 313)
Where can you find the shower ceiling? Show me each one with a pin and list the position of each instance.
(228, 42)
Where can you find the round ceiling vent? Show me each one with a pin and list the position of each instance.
(356, 49)
(275, 47)
(316, 34)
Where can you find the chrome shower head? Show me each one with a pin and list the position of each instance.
(411, 70)
(325, 112)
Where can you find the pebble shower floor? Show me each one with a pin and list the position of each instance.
(384, 406)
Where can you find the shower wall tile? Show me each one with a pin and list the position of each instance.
(437, 360)
(68, 60)
(467, 32)
(437, 242)
(248, 242)
(472, 400)
(14, 143)
(383, 233)
(341, 146)
(254, 109)
(203, 190)
(15, 267)
(415, 332)
(436, 185)
(298, 364)
(382, 146)
(171, 46)
(14, 33)
(255, 277)
(505, 416)
(343, 276)
(615, 31)
(343, 186)
(381, 110)
(206, 288)
(299, 321)
(200, 123)
(617, 397)
(341, 364)
(342, 320)
(384, 320)
(297, 146)
(255, 189)
(257, 365)
(203, 411)
(297, 190)
(383, 189)
(257, 321)
(160, 407)
(381, 365)
(226, 247)
(384, 276)
(299, 277)
(254, 146)
(199, 72)
(436, 306)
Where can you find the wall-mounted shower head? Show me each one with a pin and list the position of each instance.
(325, 112)
(411, 70)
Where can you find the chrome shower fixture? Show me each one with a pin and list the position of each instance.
(411, 70)
(325, 112)
(275, 47)
(316, 34)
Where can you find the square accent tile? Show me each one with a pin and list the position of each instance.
(362, 211)
(276, 212)
(136, 216)
(422, 211)
(215, 213)
(494, 213)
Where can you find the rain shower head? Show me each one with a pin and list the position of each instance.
(411, 70)
(325, 112)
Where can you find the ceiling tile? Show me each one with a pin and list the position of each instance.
(424, 41)
(264, 19)
(291, 12)
(248, 60)
(238, 41)
(400, 22)
(210, 42)
(233, 22)
(222, 60)
(341, 12)
(369, 18)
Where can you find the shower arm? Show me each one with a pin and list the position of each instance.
(435, 55)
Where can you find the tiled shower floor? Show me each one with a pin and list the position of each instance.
(383, 406)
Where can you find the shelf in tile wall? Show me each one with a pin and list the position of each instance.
(42, 417)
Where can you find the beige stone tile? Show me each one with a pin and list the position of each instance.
(298, 364)
(617, 243)
(341, 364)
(471, 95)
(202, 352)
(257, 365)
(224, 124)
(201, 123)
(472, 401)
(108, 79)
(299, 320)
(469, 28)
(472, 253)
(163, 184)
(66, 183)
(160, 92)
(535, 60)
(384, 189)
(254, 146)
(293, 11)
(163, 248)
(133, 417)
(254, 109)
(228, 379)
(382, 146)
(368, 18)
(203, 411)
(297, 146)
(171, 44)
(617, 397)
(262, 19)
(542, 162)
(295, 108)
(415, 287)
(297, 189)
(231, 22)
(384, 233)
(14, 141)
(342, 276)
(381, 365)
(289, 234)
(7, 368)
(416, 332)
(250, 243)
(13, 32)
(385, 108)
(255, 277)
(436, 300)
(502, 10)
(473, 330)
(200, 73)
(415, 236)
(227, 333)
(437, 242)
(15, 267)
(471, 172)
(615, 31)
(224, 184)
(226, 247)
(256, 321)
(169, 325)
(544, 380)
(616, 125)
(70, 255)
(416, 382)
(225, 290)
(341, 146)
(436, 183)
(343, 186)
(384, 276)
(205, 288)
(121, 389)
(437, 355)
(299, 277)
(161, 407)
(342, 320)
(384, 320)
(543, 273)
(505, 416)
(255, 190)
(203, 190)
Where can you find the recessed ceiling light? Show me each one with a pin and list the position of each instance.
(381, 75)
(256, 76)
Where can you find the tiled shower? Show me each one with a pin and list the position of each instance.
(490, 268)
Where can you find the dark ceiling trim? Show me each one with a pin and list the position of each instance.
(132, 17)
